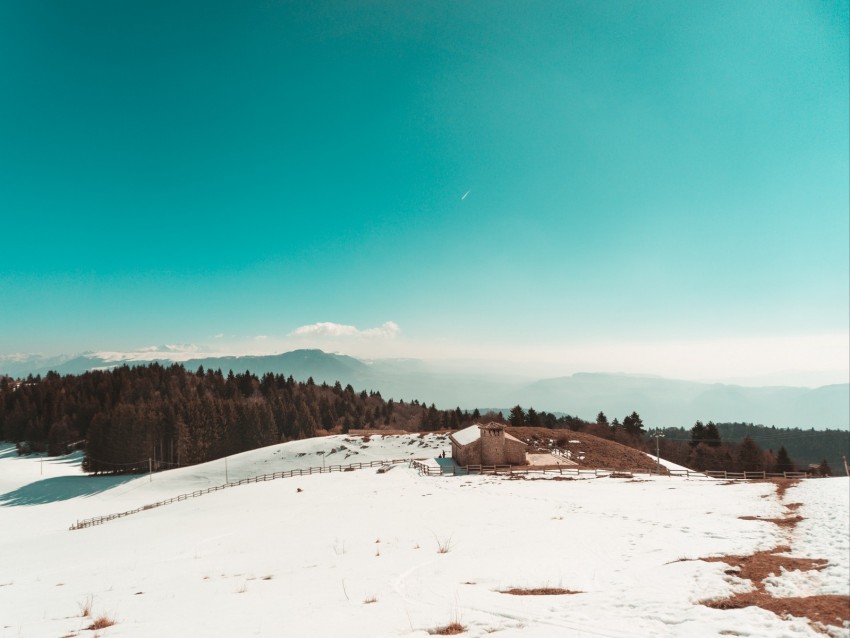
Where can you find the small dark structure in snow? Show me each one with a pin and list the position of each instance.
(486, 445)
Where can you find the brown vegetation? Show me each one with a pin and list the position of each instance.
(782, 486)
(101, 622)
(819, 610)
(823, 610)
(598, 452)
(782, 522)
(757, 567)
(452, 629)
(538, 591)
(85, 606)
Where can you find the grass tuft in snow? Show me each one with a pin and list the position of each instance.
(101, 622)
(85, 606)
(452, 629)
(444, 545)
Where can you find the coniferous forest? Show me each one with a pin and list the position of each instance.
(126, 416)
(131, 418)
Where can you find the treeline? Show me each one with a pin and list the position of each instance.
(519, 417)
(706, 449)
(172, 416)
(805, 447)
(735, 447)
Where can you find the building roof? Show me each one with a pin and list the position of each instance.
(473, 433)
(467, 435)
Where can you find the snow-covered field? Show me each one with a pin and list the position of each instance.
(357, 553)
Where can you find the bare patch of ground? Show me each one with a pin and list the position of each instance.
(598, 452)
(789, 521)
(538, 591)
(820, 610)
(782, 486)
(756, 567)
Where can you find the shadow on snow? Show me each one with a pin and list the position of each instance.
(62, 488)
(8, 450)
(445, 463)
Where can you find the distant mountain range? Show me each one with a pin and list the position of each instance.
(660, 402)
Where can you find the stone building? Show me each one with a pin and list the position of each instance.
(486, 445)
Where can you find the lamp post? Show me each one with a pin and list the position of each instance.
(658, 435)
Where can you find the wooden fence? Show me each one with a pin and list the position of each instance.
(455, 470)
(99, 520)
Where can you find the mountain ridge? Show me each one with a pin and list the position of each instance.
(662, 402)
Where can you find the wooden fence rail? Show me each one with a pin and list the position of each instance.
(454, 470)
(99, 520)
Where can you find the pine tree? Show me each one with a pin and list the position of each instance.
(517, 416)
(697, 434)
(633, 424)
(750, 456)
(712, 435)
(783, 461)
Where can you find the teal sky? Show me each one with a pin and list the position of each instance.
(641, 174)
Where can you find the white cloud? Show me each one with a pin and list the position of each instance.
(329, 329)
(171, 348)
(388, 330)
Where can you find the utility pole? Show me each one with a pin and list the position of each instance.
(846, 469)
(150, 471)
(225, 471)
(658, 435)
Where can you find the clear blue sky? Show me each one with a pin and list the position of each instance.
(637, 173)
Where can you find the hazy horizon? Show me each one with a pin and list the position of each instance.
(480, 367)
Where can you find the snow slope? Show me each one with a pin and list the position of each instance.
(356, 553)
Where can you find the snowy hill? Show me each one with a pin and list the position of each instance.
(359, 553)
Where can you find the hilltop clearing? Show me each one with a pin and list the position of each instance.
(597, 452)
